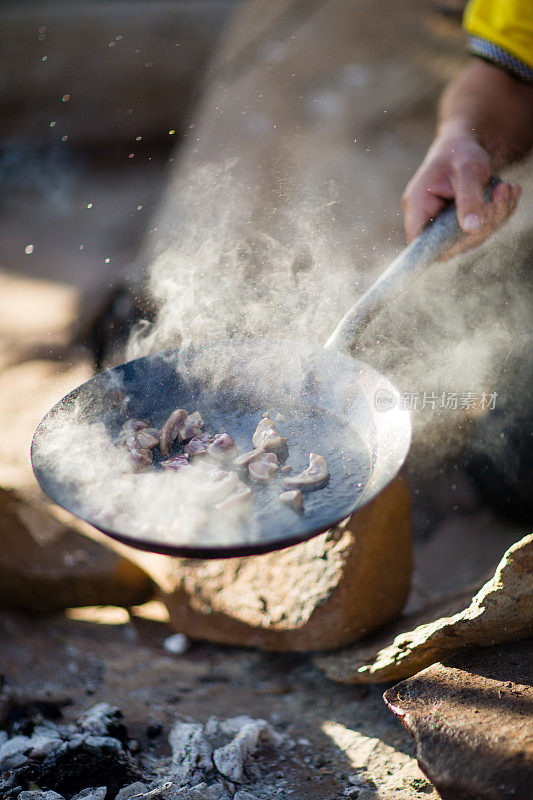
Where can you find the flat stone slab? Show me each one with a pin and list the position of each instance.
(501, 611)
(472, 720)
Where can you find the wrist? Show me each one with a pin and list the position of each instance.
(456, 128)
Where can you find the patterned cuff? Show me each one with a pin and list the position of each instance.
(502, 58)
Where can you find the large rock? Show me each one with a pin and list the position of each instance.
(47, 566)
(472, 720)
(322, 593)
(502, 611)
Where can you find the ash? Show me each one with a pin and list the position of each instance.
(94, 759)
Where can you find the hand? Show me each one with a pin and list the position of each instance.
(457, 168)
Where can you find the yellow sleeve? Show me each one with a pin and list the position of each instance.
(501, 31)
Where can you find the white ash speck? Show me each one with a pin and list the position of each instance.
(178, 644)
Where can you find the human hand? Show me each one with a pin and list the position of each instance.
(457, 168)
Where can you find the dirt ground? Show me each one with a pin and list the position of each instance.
(340, 731)
(57, 247)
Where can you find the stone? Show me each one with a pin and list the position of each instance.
(472, 720)
(501, 611)
(46, 565)
(323, 593)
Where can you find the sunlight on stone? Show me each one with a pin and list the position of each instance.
(102, 615)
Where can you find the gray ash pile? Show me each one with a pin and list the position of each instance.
(42, 758)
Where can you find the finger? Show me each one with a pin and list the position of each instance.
(516, 191)
(468, 183)
(506, 195)
(504, 200)
(420, 207)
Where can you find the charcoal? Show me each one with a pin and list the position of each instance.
(41, 744)
(232, 759)
(199, 792)
(130, 791)
(91, 794)
(9, 786)
(103, 720)
(69, 761)
(217, 791)
(19, 715)
(69, 770)
(12, 752)
(191, 752)
(95, 744)
(242, 794)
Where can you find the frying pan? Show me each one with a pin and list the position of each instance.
(327, 401)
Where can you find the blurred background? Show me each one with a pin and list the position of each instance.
(95, 99)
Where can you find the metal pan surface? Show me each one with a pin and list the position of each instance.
(327, 402)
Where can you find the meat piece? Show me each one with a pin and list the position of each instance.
(314, 477)
(198, 445)
(261, 469)
(176, 462)
(140, 455)
(222, 448)
(131, 426)
(286, 468)
(147, 438)
(170, 430)
(247, 458)
(294, 499)
(268, 438)
(131, 430)
(193, 426)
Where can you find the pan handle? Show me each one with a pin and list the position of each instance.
(434, 241)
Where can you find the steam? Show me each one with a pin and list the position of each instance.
(224, 274)
(223, 269)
